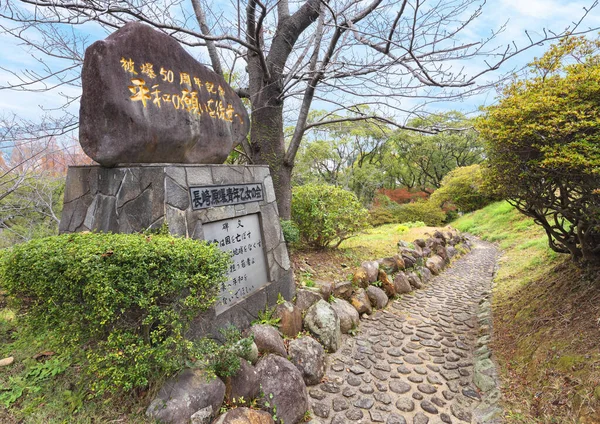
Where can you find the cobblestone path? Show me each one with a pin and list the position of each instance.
(413, 361)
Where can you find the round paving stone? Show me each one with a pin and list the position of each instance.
(340, 404)
(437, 401)
(348, 392)
(420, 370)
(354, 414)
(415, 378)
(383, 398)
(321, 410)
(355, 369)
(383, 367)
(434, 379)
(426, 388)
(445, 418)
(402, 369)
(376, 417)
(417, 396)
(429, 407)
(381, 386)
(405, 405)
(353, 380)
(395, 352)
(339, 419)
(330, 387)
(395, 419)
(337, 367)
(367, 390)
(399, 386)
(420, 418)
(364, 403)
(316, 394)
(412, 359)
(460, 413)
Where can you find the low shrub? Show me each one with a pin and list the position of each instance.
(463, 188)
(127, 298)
(425, 211)
(326, 214)
(291, 233)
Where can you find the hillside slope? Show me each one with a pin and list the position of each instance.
(546, 322)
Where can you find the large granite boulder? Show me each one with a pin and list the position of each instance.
(343, 289)
(360, 301)
(244, 384)
(387, 283)
(145, 99)
(290, 319)
(308, 356)
(348, 316)
(322, 321)
(245, 416)
(372, 268)
(377, 297)
(360, 278)
(435, 264)
(268, 339)
(414, 280)
(184, 395)
(401, 283)
(283, 388)
(305, 298)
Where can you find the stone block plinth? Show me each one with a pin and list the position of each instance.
(233, 206)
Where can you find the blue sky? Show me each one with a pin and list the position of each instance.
(519, 16)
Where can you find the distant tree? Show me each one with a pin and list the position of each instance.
(544, 146)
(423, 160)
(463, 188)
(289, 55)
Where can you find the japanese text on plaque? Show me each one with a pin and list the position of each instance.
(212, 196)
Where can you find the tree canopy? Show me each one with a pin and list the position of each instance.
(544, 145)
(346, 54)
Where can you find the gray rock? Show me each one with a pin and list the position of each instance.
(203, 416)
(377, 297)
(451, 251)
(322, 321)
(389, 265)
(243, 384)
(182, 396)
(426, 275)
(309, 357)
(414, 280)
(343, 289)
(325, 288)
(290, 316)
(401, 283)
(268, 339)
(348, 316)
(179, 111)
(306, 298)
(283, 388)
(435, 264)
(360, 301)
(372, 268)
(360, 278)
(245, 416)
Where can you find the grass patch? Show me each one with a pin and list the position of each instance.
(546, 322)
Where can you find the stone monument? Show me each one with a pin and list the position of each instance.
(160, 124)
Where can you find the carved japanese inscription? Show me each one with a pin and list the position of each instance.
(146, 100)
(212, 196)
(242, 238)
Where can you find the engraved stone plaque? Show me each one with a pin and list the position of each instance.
(242, 237)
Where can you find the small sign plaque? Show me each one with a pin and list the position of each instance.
(225, 195)
(242, 237)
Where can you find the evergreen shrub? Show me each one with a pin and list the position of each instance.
(128, 299)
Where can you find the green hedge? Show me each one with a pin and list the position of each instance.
(326, 214)
(127, 298)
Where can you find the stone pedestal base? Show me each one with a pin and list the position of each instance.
(132, 199)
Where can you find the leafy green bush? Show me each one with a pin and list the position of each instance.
(543, 146)
(462, 187)
(425, 211)
(380, 216)
(291, 233)
(127, 298)
(326, 214)
(223, 360)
